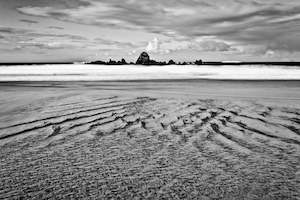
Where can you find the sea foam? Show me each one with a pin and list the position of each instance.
(80, 72)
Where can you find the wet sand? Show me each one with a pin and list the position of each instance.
(179, 139)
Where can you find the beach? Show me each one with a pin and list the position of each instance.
(150, 139)
(149, 100)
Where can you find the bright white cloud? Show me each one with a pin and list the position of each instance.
(153, 46)
(205, 43)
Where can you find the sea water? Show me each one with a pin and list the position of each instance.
(81, 72)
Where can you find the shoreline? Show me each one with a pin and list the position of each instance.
(241, 89)
(153, 80)
(153, 73)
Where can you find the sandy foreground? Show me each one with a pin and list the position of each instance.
(188, 139)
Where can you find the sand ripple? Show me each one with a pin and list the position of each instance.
(108, 147)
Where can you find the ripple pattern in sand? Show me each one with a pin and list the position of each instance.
(146, 148)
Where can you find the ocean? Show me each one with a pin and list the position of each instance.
(81, 72)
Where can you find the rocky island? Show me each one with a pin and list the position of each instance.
(144, 59)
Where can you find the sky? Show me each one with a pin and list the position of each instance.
(182, 30)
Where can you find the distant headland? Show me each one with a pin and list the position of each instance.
(144, 59)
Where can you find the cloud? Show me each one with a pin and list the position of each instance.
(234, 25)
(115, 42)
(44, 44)
(211, 45)
(153, 46)
(94, 12)
(201, 44)
(26, 38)
(295, 17)
(9, 30)
(36, 11)
(269, 53)
(56, 27)
(28, 21)
(179, 11)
